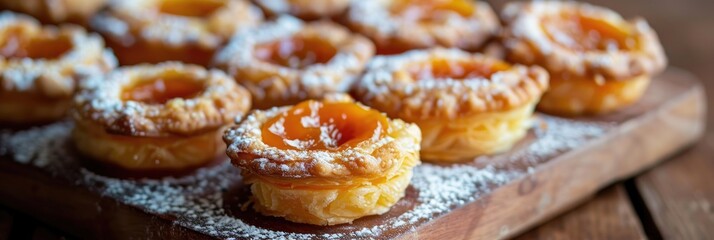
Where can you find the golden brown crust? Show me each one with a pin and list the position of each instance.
(56, 11)
(388, 86)
(217, 104)
(56, 77)
(304, 9)
(368, 159)
(450, 29)
(276, 85)
(527, 43)
(139, 24)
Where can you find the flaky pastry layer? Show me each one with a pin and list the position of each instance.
(56, 11)
(375, 20)
(463, 138)
(528, 43)
(139, 31)
(304, 9)
(218, 103)
(585, 96)
(276, 85)
(388, 87)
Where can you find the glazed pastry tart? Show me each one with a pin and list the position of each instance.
(152, 31)
(157, 117)
(288, 61)
(465, 104)
(304, 9)
(401, 25)
(324, 162)
(41, 67)
(598, 61)
(56, 11)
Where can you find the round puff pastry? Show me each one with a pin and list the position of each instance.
(397, 26)
(304, 9)
(169, 116)
(324, 162)
(288, 61)
(56, 11)
(465, 104)
(153, 31)
(41, 67)
(598, 61)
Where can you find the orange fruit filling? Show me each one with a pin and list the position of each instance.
(314, 125)
(428, 10)
(447, 69)
(296, 52)
(191, 8)
(16, 44)
(583, 33)
(163, 89)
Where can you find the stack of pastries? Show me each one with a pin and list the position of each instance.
(327, 111)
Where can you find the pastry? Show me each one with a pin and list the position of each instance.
(324, 162)
(465, 104)
(401, 25)
(153, 31)
(41, 67)
(162, 117)
(598, 61)
(56, 11)
(288, 61)
(304, 9)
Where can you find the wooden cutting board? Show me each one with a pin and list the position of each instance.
(561, 163)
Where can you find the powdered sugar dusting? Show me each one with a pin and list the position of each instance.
(196, 201)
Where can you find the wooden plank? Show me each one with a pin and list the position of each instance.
(680, 195)
(607, 216)
(5, 224)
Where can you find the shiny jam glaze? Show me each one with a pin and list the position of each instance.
(296, 52)
(191, 8)
(315, 125)
(430, 10)
(161, 90)
(583, 33)
(449, 69)
(16, 44)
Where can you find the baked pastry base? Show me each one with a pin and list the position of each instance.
(147, 153)
(463, 138)
(589, 97)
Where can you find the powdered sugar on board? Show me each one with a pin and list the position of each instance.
(196, 201)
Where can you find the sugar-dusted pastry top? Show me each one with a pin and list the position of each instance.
(161, 100)
(290, 59)
(581, 40)
(305, 9)
(447, 83)
(401, 25)
(206, 23)
(332, 139)
(47, 60)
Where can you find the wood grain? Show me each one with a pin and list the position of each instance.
(607, 216)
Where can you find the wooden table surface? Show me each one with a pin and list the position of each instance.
(671, 201)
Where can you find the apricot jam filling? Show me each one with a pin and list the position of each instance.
(449, 69)
(15, 44)
(314, 125)
(296, 52)
(191, 8)
(583, 33)
(163, 89)
(428, 10)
